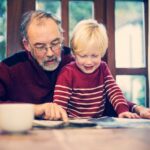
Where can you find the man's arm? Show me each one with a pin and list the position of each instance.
(50, 111)
(142, 111)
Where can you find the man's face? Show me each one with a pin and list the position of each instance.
(44, 42)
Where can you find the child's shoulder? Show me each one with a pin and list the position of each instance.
(103, 64)
(70, 65)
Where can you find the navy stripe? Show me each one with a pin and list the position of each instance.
(16, 58)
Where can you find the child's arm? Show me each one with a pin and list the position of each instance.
(63, 90)
(114, 93)
(139, 110)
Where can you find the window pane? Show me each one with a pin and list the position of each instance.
(52, 6)
(129, 34)
(79, 10)
(133, 87)
(2, 29)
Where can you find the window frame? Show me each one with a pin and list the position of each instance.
(141, 70)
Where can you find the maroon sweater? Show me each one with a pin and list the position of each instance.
(23, 80)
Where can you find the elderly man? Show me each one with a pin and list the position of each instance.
(29, 76)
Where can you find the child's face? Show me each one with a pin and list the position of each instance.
(88, 60)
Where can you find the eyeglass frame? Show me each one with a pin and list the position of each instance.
(45, 48)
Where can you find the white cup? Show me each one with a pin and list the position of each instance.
(16, 117)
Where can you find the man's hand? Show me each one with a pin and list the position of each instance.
(143, 112)
(129, 115)
(51, 111)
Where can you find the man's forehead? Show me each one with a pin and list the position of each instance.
(43, 25)
(42, 21)
(43, 32)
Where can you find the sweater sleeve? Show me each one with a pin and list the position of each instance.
(114, 93)
(4, 82)
(131, 106)
(63, 88)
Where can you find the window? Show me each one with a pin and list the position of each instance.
(130, 49)
(2, 29)
(130, 34)
(79, 11)
(134, 88)
(52, 6)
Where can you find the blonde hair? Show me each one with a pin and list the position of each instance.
(89, 32)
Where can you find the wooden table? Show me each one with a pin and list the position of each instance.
(78, 139)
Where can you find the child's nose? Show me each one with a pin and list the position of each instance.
(88, 60)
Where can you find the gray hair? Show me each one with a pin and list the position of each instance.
(38, 15)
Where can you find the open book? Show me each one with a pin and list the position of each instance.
(103, 122)
(112, 122)
(78, 123)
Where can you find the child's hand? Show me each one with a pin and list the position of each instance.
(128, 115)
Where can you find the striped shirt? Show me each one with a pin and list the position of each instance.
(84, 95)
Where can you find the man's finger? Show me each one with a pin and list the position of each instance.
(57, 112)
(52, 111)
(64, 115)
(47, 109)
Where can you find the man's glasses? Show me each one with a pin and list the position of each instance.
(43, 48)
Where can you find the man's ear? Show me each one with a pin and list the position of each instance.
(26, 45)
(73, 55)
